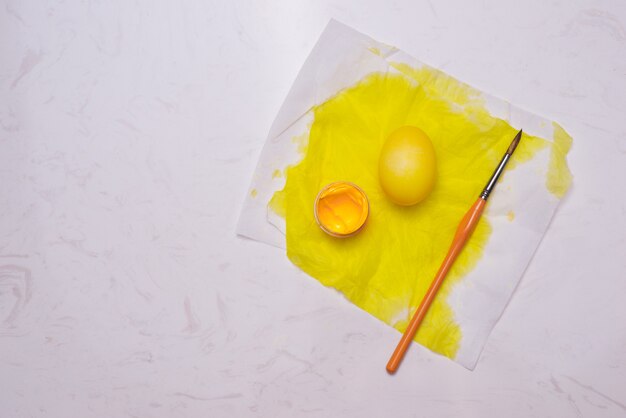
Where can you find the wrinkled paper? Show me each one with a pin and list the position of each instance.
(341, 58)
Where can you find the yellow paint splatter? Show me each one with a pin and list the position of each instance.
(374, 50)
(253, 192)
(387, 268)
(277, 174)
(559, 177)
(510, 216)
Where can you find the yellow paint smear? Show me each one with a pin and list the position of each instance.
(510, 216)
(301, 141)
(387, 268)
(253, 192)
(559, 177)
(278, 203)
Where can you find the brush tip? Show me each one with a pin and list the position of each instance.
(514, 143)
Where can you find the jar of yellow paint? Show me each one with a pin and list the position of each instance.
(341, 209)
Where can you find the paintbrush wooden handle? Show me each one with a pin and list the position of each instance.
(463, 232)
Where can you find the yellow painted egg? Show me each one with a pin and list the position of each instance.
(407, 168)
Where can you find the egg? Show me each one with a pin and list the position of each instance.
(407, 166)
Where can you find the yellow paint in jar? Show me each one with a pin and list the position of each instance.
(341, 209)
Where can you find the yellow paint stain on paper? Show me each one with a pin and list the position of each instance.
(278, 203)
(387, 268)
(253, 193)
(301, 141)
(374, 50)
(277, 174)
(510, 216)
(559, 177)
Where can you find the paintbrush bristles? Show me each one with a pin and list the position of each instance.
(514, 143)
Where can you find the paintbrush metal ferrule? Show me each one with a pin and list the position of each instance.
(496, 174)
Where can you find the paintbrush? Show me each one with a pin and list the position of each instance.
(463, 233)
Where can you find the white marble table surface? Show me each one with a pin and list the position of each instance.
(128, 136)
